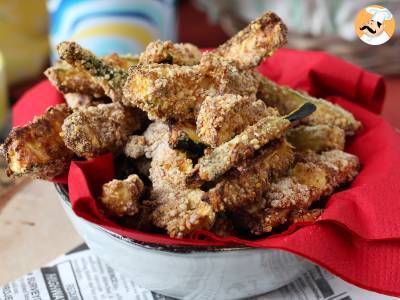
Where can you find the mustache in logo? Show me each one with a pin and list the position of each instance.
(368, 28)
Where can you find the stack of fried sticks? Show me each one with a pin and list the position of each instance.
(215, 145)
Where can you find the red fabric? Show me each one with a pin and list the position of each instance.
(358, 235)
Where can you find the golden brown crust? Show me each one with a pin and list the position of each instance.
(37, 149)
(317, 138)
(179, 210)
(110, 78)
(183, 54)
(314, 176)
(121, 197)
(222, 117)
(71, 80)
(176, 92)
(95, 130)
(225, 156)
(239, 188)
(255, 42)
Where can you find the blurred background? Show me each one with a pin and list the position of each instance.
(30, 29)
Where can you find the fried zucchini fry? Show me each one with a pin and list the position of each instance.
(176, 92)
(95, 130)
(239, 188)
(317, 138)
(255, 42)
(110, 78)
(183, 54)
(229, 154)
(121, 197)
(222, 117)
(37, 149)
(286, 99)
(313, 177)
(72, 80)
(179, 210)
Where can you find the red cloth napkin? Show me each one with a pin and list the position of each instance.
(358, 235)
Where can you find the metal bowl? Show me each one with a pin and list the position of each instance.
(190, 272)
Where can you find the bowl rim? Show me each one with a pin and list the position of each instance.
(181, 249)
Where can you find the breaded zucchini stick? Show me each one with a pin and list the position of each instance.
(286, 99)
(313, 177)
(110, 78)
(243, 145)
(68, 79)
(176, 92)
(179, 210)
(121, 197)
(255, 42)
(37, 149)
(159, 52)
(317, 138)
(239, 188)
(95, 130)
(222, 117)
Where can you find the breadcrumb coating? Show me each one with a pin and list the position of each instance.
(239, 188)
(286, 100)
(313, 177)
(179, 210)
(243, 145)
(183, 54)
(255, 42)
(110, 78)
(37, 149)
(175, 92)
(68, 79)
(317, 138)
(121, 197)
(135, 146)
(222, 117)
(95, 130)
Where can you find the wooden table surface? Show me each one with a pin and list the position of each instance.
(33, 229)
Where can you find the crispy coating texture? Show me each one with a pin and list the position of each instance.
(68, 79)
(183, 54)
(317, 138)
(121, 197)
(95, 130)
(242, 146)
(286, 100)
(255, 42)
(245, 185)
(305, 215)
(222, 117)
(110, 78)
(135, 146)
(179, 210)
(37, 149)
(176, 92)
(123, 62)
(314, 176)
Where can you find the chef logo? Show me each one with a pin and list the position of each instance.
(374, 25)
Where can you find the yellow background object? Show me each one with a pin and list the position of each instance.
(24, 38)
(3, 93)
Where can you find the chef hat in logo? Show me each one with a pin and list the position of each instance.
(379, 14)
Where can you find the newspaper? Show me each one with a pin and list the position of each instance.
(80, 274)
